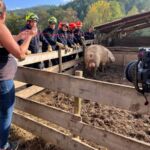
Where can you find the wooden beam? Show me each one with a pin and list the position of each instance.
(34, 58)
(19, 85)
(60, 60)
(89, 42)
(30, 91)
(78, 100)
(49, 134)
(65, 65)
(121, 96)
(66, 120)
(123, 58)
(137, 27)
(70, 71)
(124, 49)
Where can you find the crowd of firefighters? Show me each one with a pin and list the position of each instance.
(66, 36)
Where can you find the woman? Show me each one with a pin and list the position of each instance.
(8, 67)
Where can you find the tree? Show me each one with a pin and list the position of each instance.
(116, 10)
(133, 11)
(64, 15)
(103, 11)
(15, 22)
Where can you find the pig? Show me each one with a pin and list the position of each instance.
(97, 56)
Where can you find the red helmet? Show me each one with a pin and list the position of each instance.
(60, 25)
(79, 24)
(72, 25)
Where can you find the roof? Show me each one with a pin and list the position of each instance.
(137, 21)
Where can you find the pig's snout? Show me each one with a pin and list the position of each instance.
(91, 65)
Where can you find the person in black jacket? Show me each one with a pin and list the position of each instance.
(32, 20)
(90, 34)
(63, 33)
(63, 36)
(72, 41)
(79, 34)
(50, 33)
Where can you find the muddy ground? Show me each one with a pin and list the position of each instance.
(119, 121)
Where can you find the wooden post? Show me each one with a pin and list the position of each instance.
(60, 60)
(78, 101)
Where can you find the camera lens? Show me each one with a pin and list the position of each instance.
(130, 71)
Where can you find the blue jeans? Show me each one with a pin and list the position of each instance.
(7, 99)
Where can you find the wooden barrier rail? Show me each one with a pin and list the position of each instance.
(116, 95)
(34, 58)
(49, 134)
(65, 65)
(64, 119)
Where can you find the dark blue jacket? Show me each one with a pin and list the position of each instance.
(62, 37)
(51, 37)
(78, 34)
(71, 38)
(34, 46)
(89, 35)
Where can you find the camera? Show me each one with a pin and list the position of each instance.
(138, 71)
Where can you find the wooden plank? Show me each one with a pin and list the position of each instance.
(87, 42)
(78, 100)
(33, 58)
(116, 95)
(60, 60)
(123, 58)
(69, 71)
(62, 118)
(19, 84)
(65, 65)
(123, 49)
(109, 139)
(49, 134)
(30, 91)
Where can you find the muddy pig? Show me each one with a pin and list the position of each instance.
(97, 56)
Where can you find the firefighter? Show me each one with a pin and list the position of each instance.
(63, 35)
(50, 33)
(32, 22)
(89, 35)
(72, 42)
(79, 34)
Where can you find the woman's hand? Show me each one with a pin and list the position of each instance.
(23, 35)
(34, 31)
(26, 33)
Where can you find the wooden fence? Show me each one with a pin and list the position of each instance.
(120, 96)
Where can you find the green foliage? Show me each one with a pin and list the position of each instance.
(116, 10)
(80, 6)
(102, 11)
(133, 11)
(64, 14)
(15, 22)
